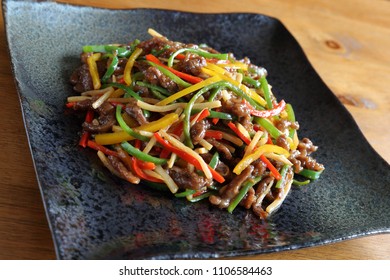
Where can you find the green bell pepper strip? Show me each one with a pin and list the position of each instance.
(185, 193)
(250, 81)
(157, 53)
(214, 93)
(267, 94)
(120, 50)
(125, 127)
(134, 44)
(214, 160)
(283, 173)
(127, 89)
(200, 197)
(129, 93)
(135, 77)
(131, 150)
(243, 191)
(111, 68)
(215, 114)
(310, 174)
(162, 90)
(239, 92)
(169, 74)
(290, 118)
(157, 94)
(242, 94)
(188, 109)
(272, 130)
(300, 183)
(221, 56)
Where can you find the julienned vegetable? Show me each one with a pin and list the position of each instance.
(187, 119)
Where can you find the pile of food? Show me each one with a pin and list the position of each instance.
(194, 121)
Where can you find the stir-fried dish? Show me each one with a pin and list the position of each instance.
(194, 121)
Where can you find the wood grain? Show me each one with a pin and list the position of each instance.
(348, 43)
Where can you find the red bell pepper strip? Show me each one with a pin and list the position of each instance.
(233, 127)
(104, 150)
(272, 168)
(214, 134)
(70, 104)
(180, 56)
(276, 110)
(138, 171)
(189, 78)
(146, 165)
(187, 157)
(165, 153)
(85, 136)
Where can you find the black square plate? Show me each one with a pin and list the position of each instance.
(94, 215)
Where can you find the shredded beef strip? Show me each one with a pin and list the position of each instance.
(186, 179)
(301, 158)
(198, 131)
(192, 64)
(229, 191)
(134, 111)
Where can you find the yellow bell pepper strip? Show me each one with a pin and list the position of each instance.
(119, 137)
(93, 70)
(188, 90)
(235, 65)
(267, 148)
(269, 113)
(129, 65)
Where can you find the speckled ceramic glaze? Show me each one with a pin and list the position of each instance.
(94, 215)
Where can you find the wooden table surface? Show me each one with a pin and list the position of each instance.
(348, 43)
